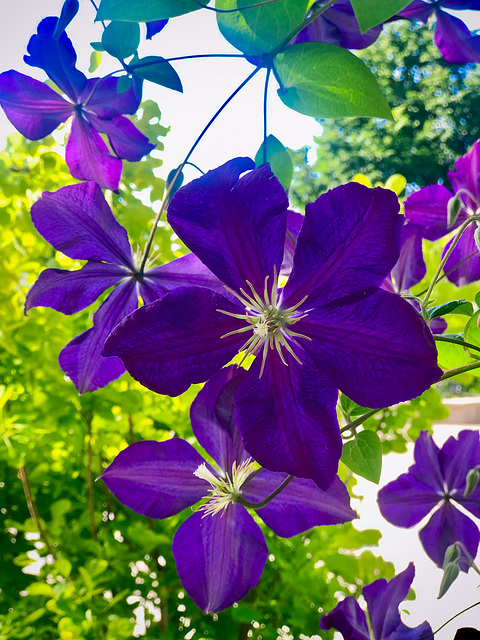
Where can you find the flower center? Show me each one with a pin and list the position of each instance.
(224, 490)
(270, 325)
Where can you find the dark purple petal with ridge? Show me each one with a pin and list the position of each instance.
(57, 57)
(77, 221)
(103, 98)
(125, 139)
(406, 501)
(467, 174)
(410, 268)
(427, 207)
(454, 40)
(182, 272)
(376, 349)
(287, 418)
(349, 619)
(88, 157)
(300, 506)
(427, 466)
(31, 106)
(71, 291)
(156, 478)
(176, 341)
(81, 359)
(350, 240)
(457, 456)
(294, 224)
(383, 600)
(235, 225)
(446, 526)
(417, 10)
(219, 558)
(212, 418)
(463, 264)
(154, 27)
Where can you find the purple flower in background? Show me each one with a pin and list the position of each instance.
(338, 25)
(330, 327)
(453, 38)
(77, 221)
(427, 207)
(219, 551)
(383, 599)
(437, 479)
(95, 104)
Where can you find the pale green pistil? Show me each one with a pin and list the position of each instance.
(224, 490)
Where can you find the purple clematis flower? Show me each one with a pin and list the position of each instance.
(437, 479)
(95, 104)
(77, 221)
(383, 599)
(453, 38)
(219, 551)
(329, 327)
(339, 25)
(427, 207)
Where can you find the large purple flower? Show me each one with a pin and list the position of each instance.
(329, 327)
(427, 207)
(453, 38)
(220, 551)
(77, 221)
(383, 599)
(95, 104)
(437, 479)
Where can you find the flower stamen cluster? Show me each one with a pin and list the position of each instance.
(225, 490)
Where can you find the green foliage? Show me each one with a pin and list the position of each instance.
(157, 70)
(144, 10)
(326, 81)
(279, 159)
(369, 13)
(121, 39)
(363, 455)
(259, 31)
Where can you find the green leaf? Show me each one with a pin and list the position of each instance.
(351, 408)
(279, 159)
(124, 84)
(158, 71)
(144, 10)
(95, 60)
(121, 39)
(476, 237)
(259, 31)
(40, 589)
(462, 307)
(450, 575)
(363, 455)
(472, 330)
(326, 81)
(369, 13)
(97, 46)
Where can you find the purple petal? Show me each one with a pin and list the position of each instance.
(88, 157)
(236, 226)
(287, 419)
(300, 506)
(349, 619)
(338, 25)
(427, 467)
(184, 271)
(124, 137)
(383, 599)
(454, 40)
(103, 98)
(376, 349)
(350, 240)
(219, 558)
(467, 174)
(456, 458)
(71, 291)
(154, 27)
(77, 221)
(417, 10)
(463, 264)
(57, 57)
(176, 341)
(410, 268)
(446, 526)
(213, 425)
(294, 224)
(406, 501)
(437, 325)
(31, 106)
(81, 359)
(427, 207)
(156, 478)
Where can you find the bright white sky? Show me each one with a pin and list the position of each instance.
(207, 83)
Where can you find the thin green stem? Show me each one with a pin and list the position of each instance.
(263, 503)
(451, 373)
(469, 195)
(447, 273)
(444, 260)
(191, 164)
(434, 633)
(360, 420)
(468, 558)
(469, 345)
(265, 114)
(249, 6)
(32, 508)
(187, 158)
(140, 65)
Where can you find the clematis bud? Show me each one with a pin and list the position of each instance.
(454, 207)
(472, 481)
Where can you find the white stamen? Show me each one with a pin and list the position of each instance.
(224, 490)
